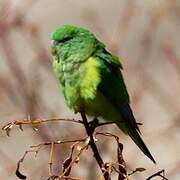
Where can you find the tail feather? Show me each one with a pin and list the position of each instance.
(131, 128)
(135, 136)
(129, 125)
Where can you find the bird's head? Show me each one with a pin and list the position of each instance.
(65, 33)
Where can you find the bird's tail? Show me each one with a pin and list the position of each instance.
(127, 123)
(135, 136)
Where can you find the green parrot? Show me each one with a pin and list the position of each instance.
(91, 80)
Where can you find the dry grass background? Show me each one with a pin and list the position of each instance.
(146, 36)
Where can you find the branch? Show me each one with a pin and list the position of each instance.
(38, 147)
(57, 142)
(84, 146)
(35, 123)
(158, 174)
(121, 163)
(94, 147)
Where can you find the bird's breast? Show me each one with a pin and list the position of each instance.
(70, 82)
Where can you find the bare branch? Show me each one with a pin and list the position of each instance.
(159, 173)
(35, 123)
(94, 147)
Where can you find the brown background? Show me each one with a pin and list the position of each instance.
(146, 36)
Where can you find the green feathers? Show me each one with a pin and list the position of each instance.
(91, 80)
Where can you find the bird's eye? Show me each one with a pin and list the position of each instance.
(65, 39)
(53, 51)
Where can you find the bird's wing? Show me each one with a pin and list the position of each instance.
(113, 88)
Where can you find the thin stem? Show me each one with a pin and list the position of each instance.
(94, 147)
(51, 159)
(57, 142)
(157, 174)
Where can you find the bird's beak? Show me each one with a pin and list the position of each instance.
(53, 47)
(54, 43)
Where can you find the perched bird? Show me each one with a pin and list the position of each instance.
(91, 80)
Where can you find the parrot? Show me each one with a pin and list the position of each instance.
(91, 80)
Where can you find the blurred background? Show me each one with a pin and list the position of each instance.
(144, 33)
